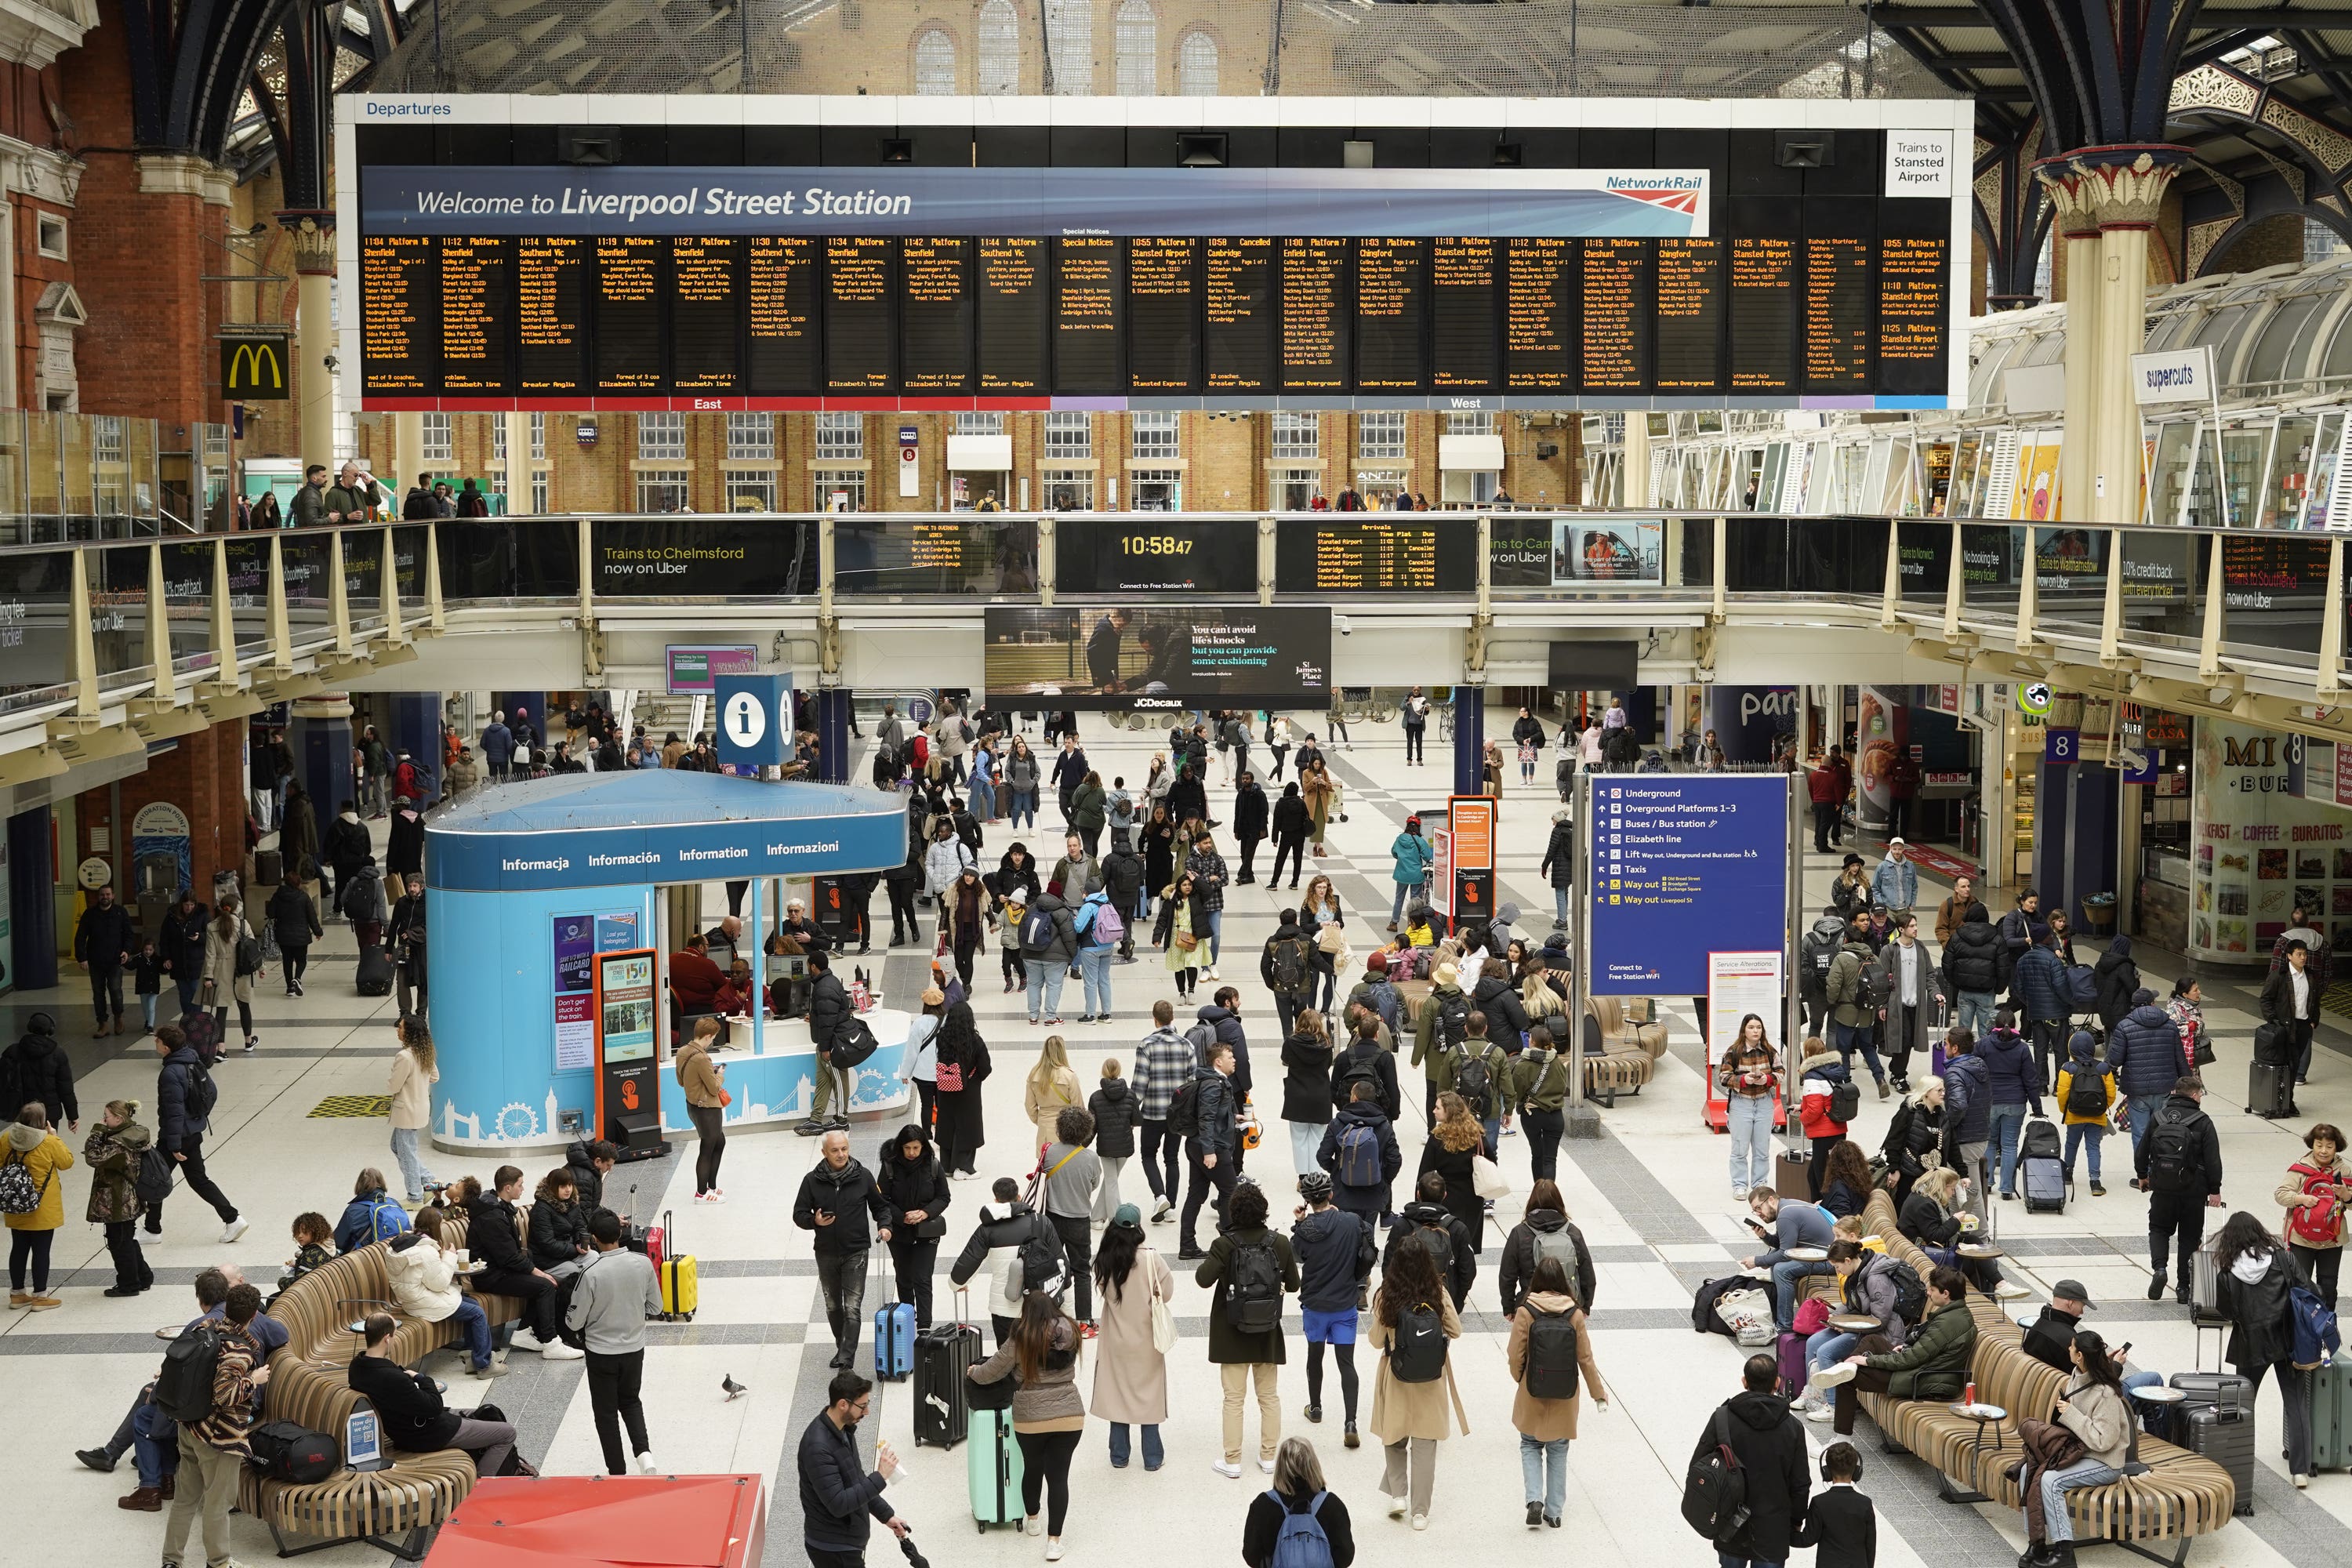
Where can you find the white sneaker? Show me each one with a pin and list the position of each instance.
(1212, 972)
(1831, 1376)
(1231, 1472)
(1267, 1464)
(1420, 1520)
(524, 1340)
(235, 1228)
(646, 1466)
(1820, 1413)
(1396, 1508)
(556, 1350)
(1032, 1525)
(1054, 1550)
(149, 1238)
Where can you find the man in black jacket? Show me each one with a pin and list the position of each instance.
(1335, 1260)
(183, 1106)
(1251, 816)
(590, 1161)
(1292, 822)
(181, 946)
(1211, 1147)
(838, 1494)
(492, 1237)
(1286, 964)
(1755, 1423)
(103, 942)
(346, 850)
(834, 1202)
(1122, 877)
(2179, 1167)
(36, 1070)
(829, 1012)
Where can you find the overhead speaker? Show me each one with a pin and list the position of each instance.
(1805, 149)
(1202, 148)
(588, 146)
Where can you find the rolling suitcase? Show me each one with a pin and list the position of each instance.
(2224, 1435)
(2331, 1416)
(681, 1284)
(943, 1353)
(894, 1336)
(2205, 1283)
(1793, 1363)
(373, 977)
(1792, 1176)
(2270, 1090)
(2222, 1390)
(2044, 1177)
(992, 1468)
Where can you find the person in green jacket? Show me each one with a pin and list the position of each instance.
(1934, 1365)
(1446, 1010)
(1088, 807)
(1413, 858)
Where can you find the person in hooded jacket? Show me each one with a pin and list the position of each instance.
(404, 849)
(1755, 1425)
(294, 920)
(1558, 867)
(113, 1152)
(1853, 1023)
(36, 1070)
(1360, 1108)
(1820, 1072)
(913, 1185)
(183, 1098)
(1336, 1252)
(1547, 1422)
(1113, 1107)
(2014, 1085)
(2041, 988)
(181, 943)
(420, 1266)
(1496, 997)
(558, 1224)
(1306, 1088)
(2255, 1275)
(1915, 1128)
(1539, 1085)
(2119, 981)
(995, 1243)
(2144, 1049)
(1545, 1232)
(2085, 1078)
(1412, 859)
(1252, 814)
(1976, 969)
(1292, 823)
(1429, 1221)
(1967, 1108)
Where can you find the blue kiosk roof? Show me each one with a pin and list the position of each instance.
(592, 830)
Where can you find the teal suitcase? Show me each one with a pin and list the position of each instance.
(2331, 1416)
(993, 1461)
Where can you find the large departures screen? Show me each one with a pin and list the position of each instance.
(1611, 277)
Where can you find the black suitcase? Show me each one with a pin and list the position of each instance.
(2270, 1090)
(2226, 1436)
(268, 869)
(2044, 1177)
(373, 977)
(943, 1353)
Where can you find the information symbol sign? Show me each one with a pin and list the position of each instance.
(746, 719)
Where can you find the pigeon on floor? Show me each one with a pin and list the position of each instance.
(733, 1389)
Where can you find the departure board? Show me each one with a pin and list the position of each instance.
(706, 301)
(1619, 280)
(935, 332)
(1389, 293)
(1315, 300)
(781, 292)
(1086, 313)
(1377, 556)
(1539, 314)
(1012, 315)
(400, 313)
(1163, 315)
(1914, 295)
(629, 296)
(1238, 313)
(1690, 315)
(1763, 294)
(1837, 306)
(477, 308)
(551, 314)
(1461, 302)
(860, 317)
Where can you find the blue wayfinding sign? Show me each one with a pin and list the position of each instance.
(1684, 864)
(755, 720)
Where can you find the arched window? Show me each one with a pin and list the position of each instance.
(1000, 49)
(1070, 44)
(935, 64)
(1196, 66)
(1136, 43)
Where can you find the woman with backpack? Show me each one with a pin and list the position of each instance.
(1052, 1089)
(1549, 1349)
(1249, 1268)
(2312, 1196)
(2086, 1092)
(1545, 1234)
(1825, 1087)
(1916, 1127)
(1298, 1521)
(232, 961)
(1130, 1369)
(33, 1203)
(2257, 1277)
(115, 1150)
(1454, 1143)
(1306, 1088)
(1413, 1327)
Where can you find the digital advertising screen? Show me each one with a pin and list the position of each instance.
(1141, 658)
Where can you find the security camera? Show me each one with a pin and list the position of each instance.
(1345, 626)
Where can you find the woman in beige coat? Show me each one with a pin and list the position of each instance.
(1052, 1089)
(704, 1082)
(1409, 1418)
(1130, 1370)
(1546, 1425)
(220, 981)
(414, 1075)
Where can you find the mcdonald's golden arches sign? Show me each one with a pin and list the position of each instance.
(254, 370)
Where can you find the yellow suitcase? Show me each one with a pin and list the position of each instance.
(682, 1289)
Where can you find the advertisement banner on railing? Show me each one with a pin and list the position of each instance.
(690, 556)
(1572, 552)
(1129, 658)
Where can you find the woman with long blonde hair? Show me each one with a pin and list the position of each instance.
(413, 1074)
(1052, 1089)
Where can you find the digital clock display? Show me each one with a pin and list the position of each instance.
(1119, 554)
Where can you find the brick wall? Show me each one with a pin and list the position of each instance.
(204, 776)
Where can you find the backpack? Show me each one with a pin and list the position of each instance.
(853, 1043)
(203, 1094)
(1418, 1354)
(1253, 1287)
(1184, 1110)
(2172, 1152)
(1294, 965)
(1358, 1148)
(1453, 1021)
(2309, 1226)
(1821, 950)
(1110, 927)
(2317, 1339)
(202, 1035)
(1714, 1491)
(1910, 1291)
(1846, 1100)
(386, 1219)
(183, 1389)
(1559, 1247)
(2086, 1094)
(2083, 986)
(1203, 1037)
(17, 1193)
(1300, 1542)
(564, 1291)
(1551, 1356)
(1440, 1242)
(1040, 1259)
(250, 956)
(1037, 932)
(292, 1452)
(1474, 1084)
(154, 1181)
(1874, 987)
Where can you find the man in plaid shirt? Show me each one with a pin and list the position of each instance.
(1208, 869)
(212, 1451)
(1163, 1062)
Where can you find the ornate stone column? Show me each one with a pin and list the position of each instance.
(313, 233)
(2081, 232)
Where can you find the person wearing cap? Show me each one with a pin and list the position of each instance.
(1849, 894)
(2050, 1336)
(1896, 883)
(1336, 1251)
(1130, 1370)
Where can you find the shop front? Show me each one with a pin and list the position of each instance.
(2268, 834)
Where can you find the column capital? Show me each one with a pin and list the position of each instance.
(313, 233)
(2119, 186)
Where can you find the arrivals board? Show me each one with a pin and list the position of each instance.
(1367, 553)
(791, 283)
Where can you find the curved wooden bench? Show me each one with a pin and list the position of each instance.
(395, 1509)
(2176, 1496)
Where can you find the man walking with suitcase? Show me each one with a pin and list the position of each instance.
(835, 1201)
(838, 1494)
(2179, 1167)
(616, 1292)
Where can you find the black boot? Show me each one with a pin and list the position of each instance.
(2155, 1286)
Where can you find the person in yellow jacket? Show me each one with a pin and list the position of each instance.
(2085, 1107)
(37, 1150)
